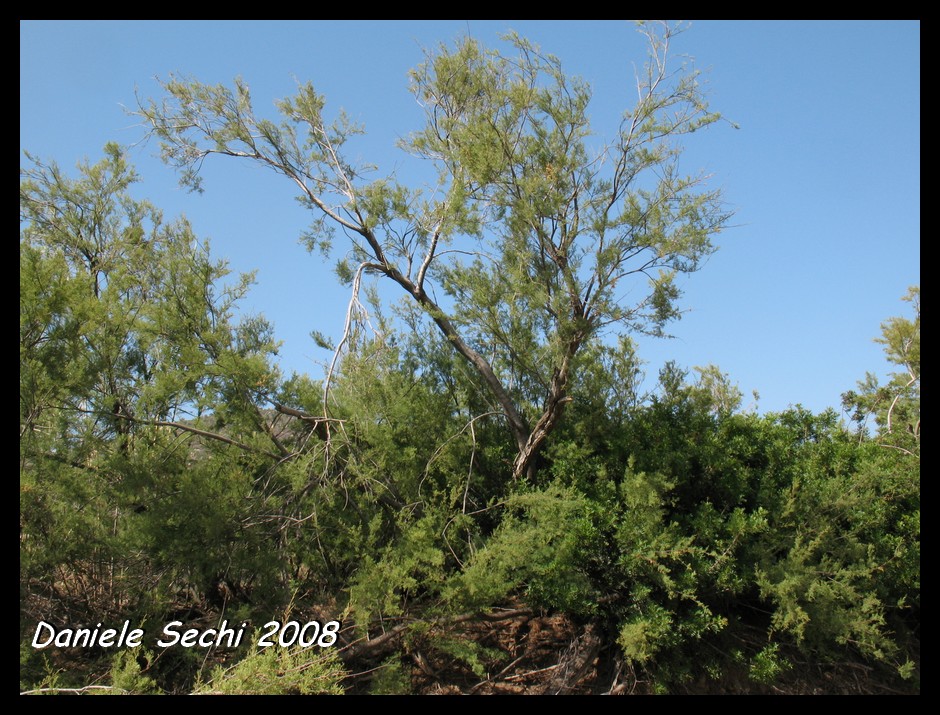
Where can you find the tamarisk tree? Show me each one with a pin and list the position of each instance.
(533, 236)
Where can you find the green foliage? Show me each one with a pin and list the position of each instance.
(127, 677)
(837, 530)
(391, 678)
(906, 669)
(641, 638)
(410, 565)
(279, 671)
(464, 650)
(537, 547)
(767, 665)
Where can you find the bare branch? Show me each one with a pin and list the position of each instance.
(347, 328)
(194, 430)
(419, 283)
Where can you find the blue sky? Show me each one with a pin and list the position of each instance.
(823, 174)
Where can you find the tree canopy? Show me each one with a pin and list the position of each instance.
(525, 248)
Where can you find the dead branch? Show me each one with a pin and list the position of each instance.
(385, 643)
(74, 691)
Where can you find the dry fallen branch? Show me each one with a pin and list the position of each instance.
(385, 643)
(73, 691)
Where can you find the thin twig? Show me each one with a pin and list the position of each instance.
(522, 676)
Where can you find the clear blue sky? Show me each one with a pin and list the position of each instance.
(824, 173)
